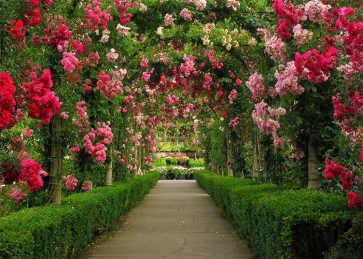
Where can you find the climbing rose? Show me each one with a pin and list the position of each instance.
(17, 195)
(186, 14)
(71, 182)
(333, 169)
(354, 200)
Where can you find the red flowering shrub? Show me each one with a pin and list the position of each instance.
(44, 104)
(7, 101)
(333, 170)
(18, 30)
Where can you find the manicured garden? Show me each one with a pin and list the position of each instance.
(95, 95)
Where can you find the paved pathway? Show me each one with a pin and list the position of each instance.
(176, 220)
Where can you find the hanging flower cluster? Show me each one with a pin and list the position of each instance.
(287, 15)
(256, 85)
(56, 33)
(44, 104)
(314, 66)
(31, 172)
(287, 81)
(95, 17)
(71, 182)
(109, 86)
(7, 101)
(96, 141)
(18, 30)
(262, 114)
(123, 6)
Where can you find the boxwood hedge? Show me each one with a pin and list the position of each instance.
(62, 231)
(280, 223)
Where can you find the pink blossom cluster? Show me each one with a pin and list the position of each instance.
(105, 36)
(287, 81)
(314, 66)
(56, 33)
(71, 182)
(207, 81)
(234, 122)
(101, 136)
(345, 113)
(216, 64)
(28, 132)
(287, 15)
(122, 30)
(200, 4)
(112, 56)
(144, 64)
(256, 85)
(274, 46)
(75, 148)
(169, 20)
(188, 67)
(148, 160)
(17, 195)
(172, 99)
(95, 16)
(338, 18)
(32, 15)
(82, 119)
(7, 100)
(276, 112)
(44, 104)
(232, 96)
(109, 87)
(347, 71)
(186, 14)
(70, 62)
(353, 43)
(122, 158)
(264, 122)
(31, 172)
(234, 4)
(315, 10)
(301, 36)
(123, 6)
(86, 186)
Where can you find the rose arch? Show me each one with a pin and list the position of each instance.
(88, 85)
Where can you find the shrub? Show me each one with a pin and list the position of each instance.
(281, 223)
(61, 231)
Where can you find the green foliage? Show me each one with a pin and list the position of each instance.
(16, 244)
(62, 231)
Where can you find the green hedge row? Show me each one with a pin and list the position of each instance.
(281, 223)
(62, 231)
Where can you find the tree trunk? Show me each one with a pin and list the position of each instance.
(313, 161)
(109, 170)
(55, 160)
(229, 156)
(256, 157)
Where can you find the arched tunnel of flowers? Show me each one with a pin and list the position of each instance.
(265, 89)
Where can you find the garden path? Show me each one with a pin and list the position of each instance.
(177, 219)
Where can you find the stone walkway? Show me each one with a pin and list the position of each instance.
(176, 220)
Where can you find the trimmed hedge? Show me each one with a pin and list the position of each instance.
(61, 231)
(281, 223)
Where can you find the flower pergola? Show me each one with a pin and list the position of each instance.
(86, 85)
